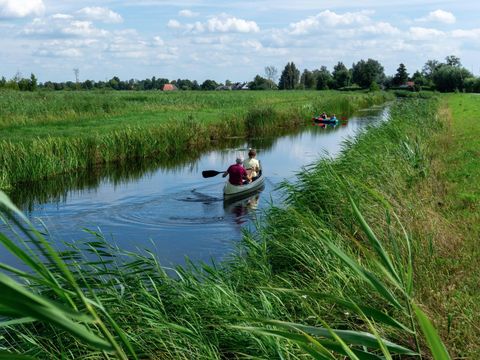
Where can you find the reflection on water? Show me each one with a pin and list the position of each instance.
(166, 205)
(241, 207)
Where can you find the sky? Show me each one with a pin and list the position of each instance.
(234, 40)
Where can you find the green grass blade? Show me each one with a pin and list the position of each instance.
(367, 276)
(5, 355)
(374, 241)
(370, 312)
(360, 338)
(435, 344)
(15, 297)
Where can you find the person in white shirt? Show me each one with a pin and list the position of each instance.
(252, 165)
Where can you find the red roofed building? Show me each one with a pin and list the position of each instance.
(169, 87)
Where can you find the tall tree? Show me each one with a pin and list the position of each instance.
(324, 78)
(308, 80)
(429, 68)
(76, 71)
(401, 77)
(366, 72)
(259, 83)
(341, 75)
(33, 82)
(453, 60)
(271, 73)
(290, 77)
(209, 85)
(450, 78)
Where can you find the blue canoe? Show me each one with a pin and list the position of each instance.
(320, 120)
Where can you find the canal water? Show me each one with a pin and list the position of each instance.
(171, 209)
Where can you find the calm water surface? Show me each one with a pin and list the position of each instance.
(173, 210)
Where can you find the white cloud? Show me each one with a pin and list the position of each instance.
(158, 41)
(61, 53)
(217, 24)
(62, 16)
(420, 33)
(380, 28)
(231, 24)
(62, 26)
(21, 8)
(473, 34)
(102, 14)
(439, 16)
(187, 13)
(326, 19)
(196, 27)
(252, 45)
(174, 24)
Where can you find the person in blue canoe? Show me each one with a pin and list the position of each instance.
(333, 117)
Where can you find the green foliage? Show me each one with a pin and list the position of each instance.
(208, 85)
(323, 77)
(449, 78)
(366, 72)
(401, 76)
(341, 75)
(374, 86)
(260, 83)
(308, 80)
(290, 77)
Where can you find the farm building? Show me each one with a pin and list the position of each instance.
(169, 87)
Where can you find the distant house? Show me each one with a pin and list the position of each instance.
(169, 87)
(240, 86)
(235, 86)
(223, 87)
(411, 84)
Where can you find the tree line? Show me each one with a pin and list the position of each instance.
(365, 74)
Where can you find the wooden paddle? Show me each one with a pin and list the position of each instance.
(211, 173)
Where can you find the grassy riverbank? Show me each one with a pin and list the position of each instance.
(48, 133)
(225, 310)
(449, 274)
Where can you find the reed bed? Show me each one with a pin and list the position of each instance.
(329, 275)
(53, 133)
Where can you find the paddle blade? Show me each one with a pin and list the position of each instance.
(210, 173)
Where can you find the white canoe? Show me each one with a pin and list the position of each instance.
(230, 190)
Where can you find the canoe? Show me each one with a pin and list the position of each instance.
(230, 190)
(325, 121)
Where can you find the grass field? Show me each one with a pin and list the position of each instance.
(47, 133)
(348, 251)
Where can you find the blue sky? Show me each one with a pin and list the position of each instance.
(235, 40)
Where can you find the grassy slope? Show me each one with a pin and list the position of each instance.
(451, 276)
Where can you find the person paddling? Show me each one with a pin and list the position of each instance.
(236, 172)
(252, 165)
